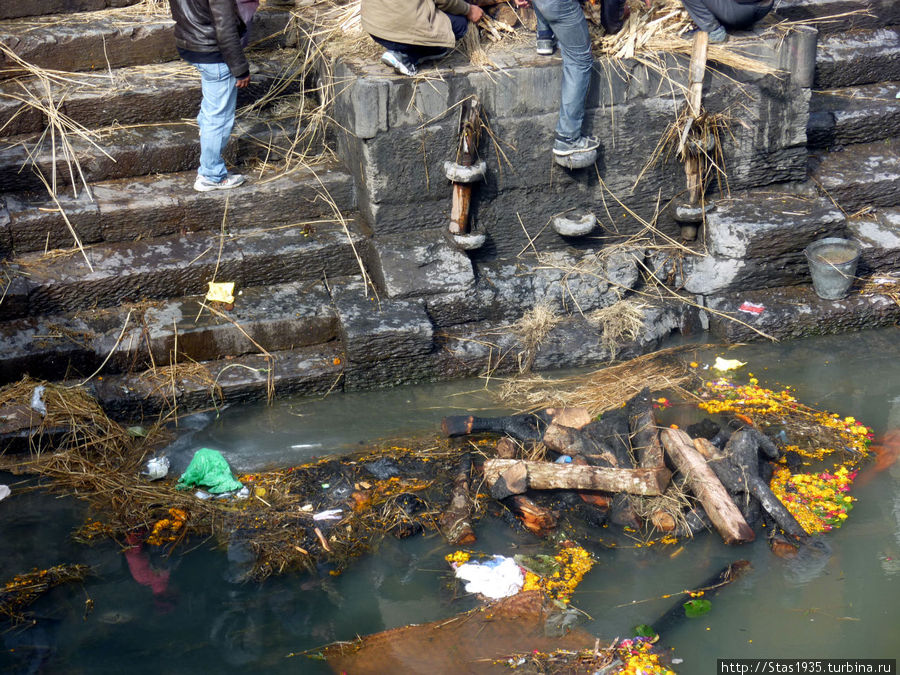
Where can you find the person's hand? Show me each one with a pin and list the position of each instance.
(243, 82)
(522, 3)
(475, 13)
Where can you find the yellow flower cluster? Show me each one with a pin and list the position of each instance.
(817, 500)
(574, 563)
(639, 659)
(167, 529)
(458, 557)
(750, 399)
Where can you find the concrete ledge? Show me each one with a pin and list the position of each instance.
(123, 37)
(859, 57)
(797, 312)
(20, 8)
(132, 95)
(129, 209)
(173, 267)
(854, 115)
(308, 371)
(859, 13)
(860, 176)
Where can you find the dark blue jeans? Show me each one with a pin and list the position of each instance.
(414, 53)
(709, 14)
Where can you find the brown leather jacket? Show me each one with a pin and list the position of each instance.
(211, 26)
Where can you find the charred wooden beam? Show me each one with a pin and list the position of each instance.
(456, 520)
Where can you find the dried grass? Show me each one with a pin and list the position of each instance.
(887, 285)
(620, 322)
(600, 390)
(531, 329)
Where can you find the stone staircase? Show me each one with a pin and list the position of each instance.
(853, 137)
(130, 300)
(128, 305)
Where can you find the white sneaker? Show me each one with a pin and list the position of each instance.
(231, 180)
(399, 62)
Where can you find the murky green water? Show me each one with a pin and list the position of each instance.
(846, 604)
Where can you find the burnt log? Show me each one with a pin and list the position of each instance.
(456, 522)
(550, 476)
(712, 495)
(536, 519)
(645, 443)
(579, 443)
(524, 427)
(738, 468)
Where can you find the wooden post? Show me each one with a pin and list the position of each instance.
(723, 513)
(469, 135)
(549, 476)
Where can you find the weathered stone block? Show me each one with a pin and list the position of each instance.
(423, 263)
(761, 227)
(861, 176)
(859, 57)
(879, 242)
(33, 229)
(374, 329)
(796, 311)
(131, 209)
(842, 15)
(854, 115)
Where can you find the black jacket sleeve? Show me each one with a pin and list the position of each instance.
(226, 22)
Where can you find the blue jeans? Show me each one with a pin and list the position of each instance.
(216, 117)
(565, 19)
(709, 14)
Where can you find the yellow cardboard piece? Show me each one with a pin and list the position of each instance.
(725, 365)
(221, 291)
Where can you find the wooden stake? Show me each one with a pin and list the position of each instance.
(723, 513)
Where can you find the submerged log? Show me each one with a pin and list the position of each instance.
(708, 489)
(525, 427)
(536, 519)
(578, 443)
(548, 476)
(456, 520)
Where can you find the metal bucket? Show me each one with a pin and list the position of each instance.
(832, 263)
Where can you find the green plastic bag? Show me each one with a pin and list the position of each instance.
(209, 469)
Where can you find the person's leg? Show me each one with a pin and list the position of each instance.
(566, 19)
(216, 117)
(710, 14)
(544, 32)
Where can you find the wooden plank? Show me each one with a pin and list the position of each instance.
(548, 476)
(724, 514)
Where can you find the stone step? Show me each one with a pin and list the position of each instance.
(795, 312)
(135, 337)
(99, 41)
(860, 176)
(134, 94)
(853, 115)
(130, 151)
(20, 8)
(176, 266)
(833, 16)
(858, 57)
(753, 240)
(155, 206)
(879, 236)
(304, 371)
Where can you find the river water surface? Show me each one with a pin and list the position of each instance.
(201, 619)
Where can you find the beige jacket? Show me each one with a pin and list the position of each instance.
(413, 22)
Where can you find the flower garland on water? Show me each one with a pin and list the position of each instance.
(639, 659)
(574, 562)
(818, 500)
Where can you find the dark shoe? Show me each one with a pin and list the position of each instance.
(546, 46)
(434, 57)
(563, 148)
(400, 63)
